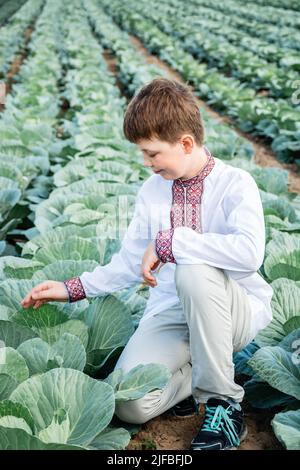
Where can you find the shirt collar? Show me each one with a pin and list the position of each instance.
(202, 173)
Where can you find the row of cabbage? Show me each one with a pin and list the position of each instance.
(12, 34)
(251, 11)
(27, 128)
(242, 33)
(278, 35)
(290, 4)
(49, 399)
(63, 344)
(221, 140)
(276, 381)
(231, 50)
(274, 119)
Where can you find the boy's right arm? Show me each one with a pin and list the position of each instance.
(122, 271)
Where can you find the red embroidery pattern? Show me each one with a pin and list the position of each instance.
(185, 210)
(163, 245)
(75, 289)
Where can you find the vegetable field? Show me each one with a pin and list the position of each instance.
(68, 178)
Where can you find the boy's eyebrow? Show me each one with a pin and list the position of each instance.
(151, 151)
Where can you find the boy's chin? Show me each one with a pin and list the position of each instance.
(169, 177)
(165, 176)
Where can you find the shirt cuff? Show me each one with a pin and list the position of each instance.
(163, 245)
(75, 289)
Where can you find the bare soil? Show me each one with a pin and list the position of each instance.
(170, 433)
(112, 64)
(167, 432)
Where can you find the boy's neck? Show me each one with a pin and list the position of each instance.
(199, 160)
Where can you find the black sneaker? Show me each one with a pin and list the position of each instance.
(223, 427)
(185, 408)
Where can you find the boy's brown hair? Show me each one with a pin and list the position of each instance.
(163, 109)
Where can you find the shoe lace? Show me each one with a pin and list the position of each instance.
(217, 419)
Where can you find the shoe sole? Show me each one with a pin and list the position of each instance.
(183, 416)
(173, 415)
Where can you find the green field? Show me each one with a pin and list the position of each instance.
(64, 162)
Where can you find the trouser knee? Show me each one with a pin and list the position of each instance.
(199, 278)
(138, 411)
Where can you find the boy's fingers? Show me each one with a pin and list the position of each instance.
(27, 300)
(35, 293)
(40, 295)
(147, 275)
(39, 303)
(40, 288)
(150, 280)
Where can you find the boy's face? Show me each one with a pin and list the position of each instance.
(170, 160)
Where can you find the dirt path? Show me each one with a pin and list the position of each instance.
(263, 155)
(16, 65)
(112, 64)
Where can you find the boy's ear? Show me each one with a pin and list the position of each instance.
(188, 143)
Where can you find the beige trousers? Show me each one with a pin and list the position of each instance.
(195, 340)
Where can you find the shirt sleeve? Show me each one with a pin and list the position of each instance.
(242, 248)
(74, 289)
(124, 269)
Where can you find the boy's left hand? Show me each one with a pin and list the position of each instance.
(150, 262)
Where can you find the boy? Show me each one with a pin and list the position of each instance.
(207, 232)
